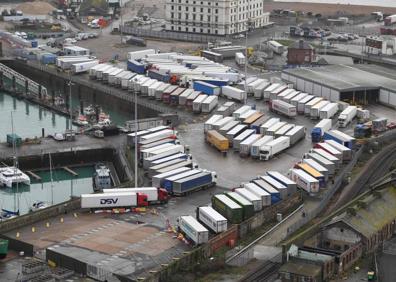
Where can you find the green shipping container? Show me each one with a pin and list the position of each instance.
(228, 208)
(3, 248)
(247, 206)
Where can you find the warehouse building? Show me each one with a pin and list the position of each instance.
(361, 84)
(215, 17)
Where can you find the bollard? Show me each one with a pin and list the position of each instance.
(75, 215)
(42, 132)
(61, 219)
(17, 235)
(33, 229)
(47, 224)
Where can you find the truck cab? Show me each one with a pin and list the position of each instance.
(142, 200)
(163, 195)
(264, 154)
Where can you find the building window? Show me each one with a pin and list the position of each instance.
(201, 10)
(179, 28)
(172, 27)
(172, 15)
(208, 30)
(216, 18)
(186, 16)
(208, 18)
(172, 7)
(217, 4)
(194, 29)
(179, 8)
(187, 9)
(216, 11)
(194, 17)
(216, 32)
(201, 17)
(201, 30)
(193, 9)
(186, 29)
(208, 10)
(179, 16)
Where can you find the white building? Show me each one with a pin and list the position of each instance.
(219, 17)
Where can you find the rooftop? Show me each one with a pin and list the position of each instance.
(301, 268)
(301, 44)
(347, 78)
(372, 214)
(334, 60)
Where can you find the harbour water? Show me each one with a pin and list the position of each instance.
(64, 185)
(381, 3)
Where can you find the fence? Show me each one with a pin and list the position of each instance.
(179, 36)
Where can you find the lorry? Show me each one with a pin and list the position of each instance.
(206, 88)
(217, 140)
(247, 206)
(269, 123)
(220, 123)
(255, 147)
(144, 88)
(126, 80)
(152, 170)
(346, 152)
(245, 145)
(284, 94)
(255, 200)
(241, 137)
(319, 129)
(281, 183)
(259, 192)
(247, 115)
(329, 149)
(193, 230)
(159, 92)
(304, 181)
(271, 131)
(274, 147)
(193, 183)
(283, 108)
(340, 137)
(228, 208)
(289, 97)
(191, 98)
(197, 103)
(154, 195)
(113, 200)
(259, 89)
(184, 96)
(302, 102)
(326, 155)
(274, 93)
(315, 109)
(294, 101)
(153, 87)
(235, 132)
(274, 193)
(157, 180)
(209, 104)
(208, 125)
(136, 67)
(181, 156)
(83, 67)
(312, 172)
(310, 104)
(174, 97)
(296, 134)
(328, 111)
(240, 59)
(156, 154)
(329, 165)
(212, 219)
(346, 116)
(156, 136)
(318, 167)
(267, 91)
(138, 55)
(228, 126)
(186, 163)
(258, 123)
(155, 74)
(233, 93)
(168, 92)
(283, 130)
(167, 183)
(237, 113)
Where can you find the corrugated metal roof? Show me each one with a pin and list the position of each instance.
(301, 268)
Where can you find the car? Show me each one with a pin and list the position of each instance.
(239, 36)
(391, 125)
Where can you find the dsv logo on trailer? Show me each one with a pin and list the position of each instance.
(108, 201)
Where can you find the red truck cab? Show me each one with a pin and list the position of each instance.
(142, 200)
(163, 195)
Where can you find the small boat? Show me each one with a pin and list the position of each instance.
(59, 137)
(11, 175)
(39, 206)
(101, 178)
(102, 123)
(6, 214)
(89, 111)
(81, 120)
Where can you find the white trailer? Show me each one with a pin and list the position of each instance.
(106, 74)
(259, 90)
(328, 111)
(212, 219)
(264, 127)
(153, 87)
(283, 130)
(160, 90)
(154, 194)
(310, 104)
(241, 137)
(208, 125)
(246, 115)
(227, 127)
(156, 180)
(330, 149)
(271, 131)
(83, 67)
(296, 134)
(258, 191)
(255, 148)
(283, 184)
(283, 108)
(233, 93)
(112, 200)
(112, 77)
(251, 86)
(232, 77)
(121, 76)
(347, 116)
(302, 102)
(194, 230)
(294, 101)
(240, 59)
(274, 147)
(317, 166)
(162, 152)
(144, 88)
(276, 47)
(149, 138)
(326, 155)
(346, 152)
(138, 55)
(209, 104)
(274, 93)
(235, 132)
(236, 114)
(99, 72)
(304, 180)
(197, 103)
(289, 97)
(323, 161)
(222, 122)
(245, 145)
(184, 96)
(92, 71)
(315, 109)
(137, 84)
(255, 200)
(284, 94)
(267, 91)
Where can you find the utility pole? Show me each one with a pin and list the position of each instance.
(70, 101)
(136, 130)
(246, 58)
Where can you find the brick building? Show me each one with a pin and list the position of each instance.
(300, 53)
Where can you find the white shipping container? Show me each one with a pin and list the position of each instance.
(259, 90)
(209, 104)
(328, 111)
(245, 145)
(236, 114)
(271, 131)
(255, 200)
(84, 66)
(212, 219)
(233, 93)
(222, 122)
(302, 102)
(208, 125)
(194, 230)
(241, 137)
(294, 101)
(315, 109)
(304, 180)
(197, 103)
(310, 104)
(258, 191)
(268, 124)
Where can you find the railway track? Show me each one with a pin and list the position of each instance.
(262, 273)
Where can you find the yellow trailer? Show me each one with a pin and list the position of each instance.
(217, 140)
